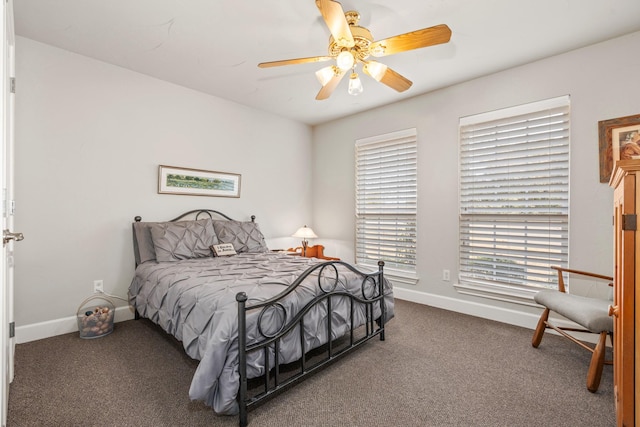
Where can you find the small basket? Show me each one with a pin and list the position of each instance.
(95, 320)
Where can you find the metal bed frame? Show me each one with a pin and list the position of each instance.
(372, 290)
(273, 380)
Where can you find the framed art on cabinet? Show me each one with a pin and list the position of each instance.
(618, 139)
(197, 182)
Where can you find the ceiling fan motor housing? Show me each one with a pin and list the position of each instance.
(361, 36)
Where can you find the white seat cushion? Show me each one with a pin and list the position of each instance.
(590, 313)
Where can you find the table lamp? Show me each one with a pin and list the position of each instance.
(304, 233)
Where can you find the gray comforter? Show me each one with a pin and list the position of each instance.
(194, 300)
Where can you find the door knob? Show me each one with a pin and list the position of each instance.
(7, 236)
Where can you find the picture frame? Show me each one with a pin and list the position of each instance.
(610, 150)
(197, 182)
(626, 142)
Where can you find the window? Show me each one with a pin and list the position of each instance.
(514, 199)
(386, 202)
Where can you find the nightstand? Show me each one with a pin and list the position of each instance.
(316, 251)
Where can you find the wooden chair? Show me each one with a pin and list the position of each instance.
(592, 314)
(316, 251)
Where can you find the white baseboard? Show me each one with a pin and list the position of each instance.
(485, 311)
(67, 325)
(51, 328)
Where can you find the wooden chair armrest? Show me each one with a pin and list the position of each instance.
(560, 270)
(584, 273)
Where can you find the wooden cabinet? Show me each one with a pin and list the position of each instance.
(625, 180)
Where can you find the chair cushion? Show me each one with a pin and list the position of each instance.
(590, 313)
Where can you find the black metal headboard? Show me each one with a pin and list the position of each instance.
(197, 212)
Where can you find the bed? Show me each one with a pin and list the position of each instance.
(259, 321)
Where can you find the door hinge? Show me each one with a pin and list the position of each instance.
(12, 329)
(13, 85)
(630, 222)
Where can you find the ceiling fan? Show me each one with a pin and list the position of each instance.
(351, 44)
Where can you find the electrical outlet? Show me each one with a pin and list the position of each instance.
(446, 276)
(97, 286)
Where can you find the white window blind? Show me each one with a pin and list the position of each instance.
(386, 200)
(514, 195)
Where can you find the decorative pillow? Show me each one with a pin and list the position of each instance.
(245, 236)
(223, 249)
(174, 241)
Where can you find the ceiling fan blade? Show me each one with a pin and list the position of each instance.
(413, 40)
(328, 89)
(333, 16)
(395, 81)
(387, 76)
(294, 61)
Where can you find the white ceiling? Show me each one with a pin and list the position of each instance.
(214, 46)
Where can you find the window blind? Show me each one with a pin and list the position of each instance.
(386, 200)
(514, 195)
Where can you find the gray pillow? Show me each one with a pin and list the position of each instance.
(245, 236)
(174, 241)
(143, 244)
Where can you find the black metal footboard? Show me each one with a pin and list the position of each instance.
(372, 293)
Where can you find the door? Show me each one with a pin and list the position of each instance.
(6, 179)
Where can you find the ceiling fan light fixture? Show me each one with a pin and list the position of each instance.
(355, 85)
(375, 69)
(324, 75)
(345, 60)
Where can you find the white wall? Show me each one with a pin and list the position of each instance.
(90, 136)
(89, 139)
(602, 81)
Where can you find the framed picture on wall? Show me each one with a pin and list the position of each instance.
(197, 182)
(626, 142)
(623, 130)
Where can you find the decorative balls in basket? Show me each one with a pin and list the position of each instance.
(95, 317)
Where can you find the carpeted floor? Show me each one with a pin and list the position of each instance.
(436, 368)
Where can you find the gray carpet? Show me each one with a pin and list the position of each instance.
(436, 368)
